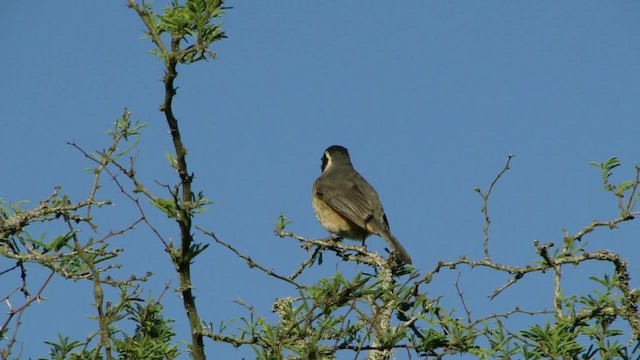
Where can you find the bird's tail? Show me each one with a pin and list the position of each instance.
(397, 247)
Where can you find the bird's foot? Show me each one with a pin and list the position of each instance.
(333, 239)
(364, 245)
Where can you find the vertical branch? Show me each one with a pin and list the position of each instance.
(183, 218)
(632, 197)
(485, 206)
(557, 290)
(631, 297)
(184, 23)
(543, 251)
(381, 314)
(98, 295)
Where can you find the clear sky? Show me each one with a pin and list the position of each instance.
(430, 97)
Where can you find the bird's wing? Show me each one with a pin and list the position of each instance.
(350, 202)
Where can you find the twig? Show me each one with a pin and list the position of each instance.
(485, 205)
(13, 312)
(306, 263)
(507, 314)
(341, 250)
(461, 296)
(511, 281)
(610, 224)
(249, 260)
(632, 199)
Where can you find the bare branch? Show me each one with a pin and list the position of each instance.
(485, 205)
(250, 262)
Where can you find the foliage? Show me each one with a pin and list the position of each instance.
(385, 310)
(338, 315)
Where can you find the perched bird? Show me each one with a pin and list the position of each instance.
(347, 205)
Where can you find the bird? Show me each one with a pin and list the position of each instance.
(347, 206)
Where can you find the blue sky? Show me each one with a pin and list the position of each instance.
(430, 98)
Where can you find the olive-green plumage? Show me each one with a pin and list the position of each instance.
(347, 205)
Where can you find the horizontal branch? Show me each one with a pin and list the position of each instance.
(45, 211)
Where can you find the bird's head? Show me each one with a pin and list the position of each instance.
(335, 155)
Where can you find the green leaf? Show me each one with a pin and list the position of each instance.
(167, 206)
(281, 224)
